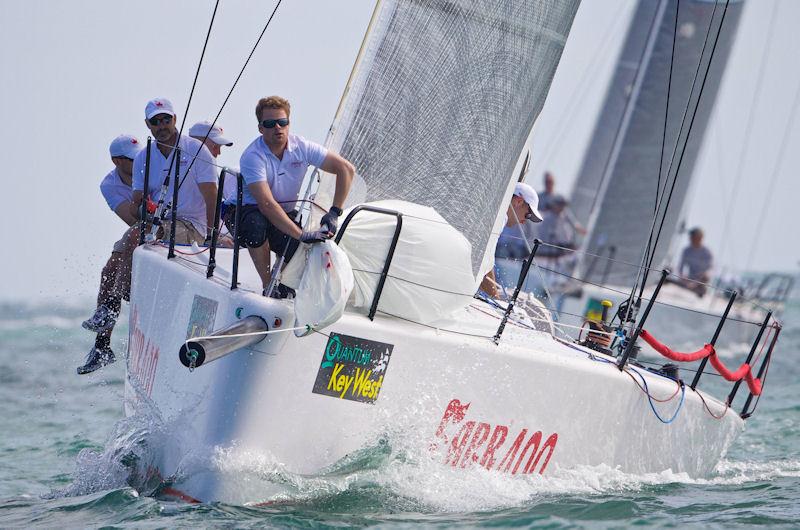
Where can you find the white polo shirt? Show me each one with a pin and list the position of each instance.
(284, 177)
(114, 191)
(191, 206)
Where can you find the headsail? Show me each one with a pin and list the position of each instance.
(441, 102)
(616, 187)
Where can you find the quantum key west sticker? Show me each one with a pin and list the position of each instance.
(352, 368)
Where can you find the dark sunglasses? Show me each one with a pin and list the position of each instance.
(270, 124)
(156, 121)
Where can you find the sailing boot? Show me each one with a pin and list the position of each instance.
(103, 319)
(97, 358)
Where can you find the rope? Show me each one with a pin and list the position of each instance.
(748, 128)
(648, 260)
(186, 112)
(743, 372)
(230, 92)
(251, 334)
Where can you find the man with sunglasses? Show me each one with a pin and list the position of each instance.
(274, 166)
(197, 195)
(116, 190)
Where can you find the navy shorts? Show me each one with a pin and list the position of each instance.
(256, 229)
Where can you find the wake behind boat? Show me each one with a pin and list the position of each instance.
(473, 382)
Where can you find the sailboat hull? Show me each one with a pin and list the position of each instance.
(528, 405)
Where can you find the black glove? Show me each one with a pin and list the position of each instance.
(316, 236)
(331, 219)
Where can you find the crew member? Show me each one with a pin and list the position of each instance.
(696, 260)
(524, 206)
(273, 167)
(117, 191)
(197, 194)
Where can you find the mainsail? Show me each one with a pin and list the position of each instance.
(615, 194)
(441, 102)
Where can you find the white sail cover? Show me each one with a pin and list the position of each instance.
(615, 194)
(441, 101)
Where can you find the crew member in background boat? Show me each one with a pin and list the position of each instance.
(273, 167)
(197, 195)
(696, 260)
(545, 203)
(524, 207)
(557, 230)
(116, 190)
(549, 191)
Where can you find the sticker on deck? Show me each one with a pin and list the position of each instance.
(201, 319)
(352, 368)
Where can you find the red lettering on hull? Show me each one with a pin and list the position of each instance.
(143, 355)
(469, 444)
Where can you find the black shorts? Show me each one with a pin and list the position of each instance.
(256, 229)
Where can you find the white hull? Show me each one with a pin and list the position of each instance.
(530, 404)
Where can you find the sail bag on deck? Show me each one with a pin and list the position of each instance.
(430, 274)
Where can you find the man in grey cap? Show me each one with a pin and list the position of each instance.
(116, 190)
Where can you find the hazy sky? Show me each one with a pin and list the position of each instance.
(76, 74)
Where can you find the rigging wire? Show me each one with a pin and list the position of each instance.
(230, 92)
(748, 128)
(774, 177)
(167, 178)
(647, 260)
(664, 134)
(564, 125)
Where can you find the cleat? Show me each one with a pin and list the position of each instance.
(102, 320)
(97, 358)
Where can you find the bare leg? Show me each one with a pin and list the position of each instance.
(262, 262)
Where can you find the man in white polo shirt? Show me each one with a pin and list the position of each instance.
(273, 167)
(116, 190)
(197, 194)
(197, 189)
(212, 138)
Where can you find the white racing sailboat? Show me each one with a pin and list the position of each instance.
(441, 101)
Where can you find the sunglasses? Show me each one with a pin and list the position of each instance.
(156, 121)
(270, 124)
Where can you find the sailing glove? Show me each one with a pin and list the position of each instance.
(331, 219)
(316, 236)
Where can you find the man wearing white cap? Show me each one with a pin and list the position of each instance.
(116, 190)
(524, 206)
(212, 138)
(197, 194)
(197, 182)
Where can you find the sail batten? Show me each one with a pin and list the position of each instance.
(442, 101)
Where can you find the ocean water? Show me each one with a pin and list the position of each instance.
(64, 441)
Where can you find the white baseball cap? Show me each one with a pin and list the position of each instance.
(202, 128)
(158, 106)
(126, 146)
(530, 196)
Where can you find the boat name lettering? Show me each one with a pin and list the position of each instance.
(473, 442)
(352, 368)
(143, 355)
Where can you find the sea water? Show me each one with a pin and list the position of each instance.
(64, 443)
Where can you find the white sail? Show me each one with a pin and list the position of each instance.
(441, 102)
